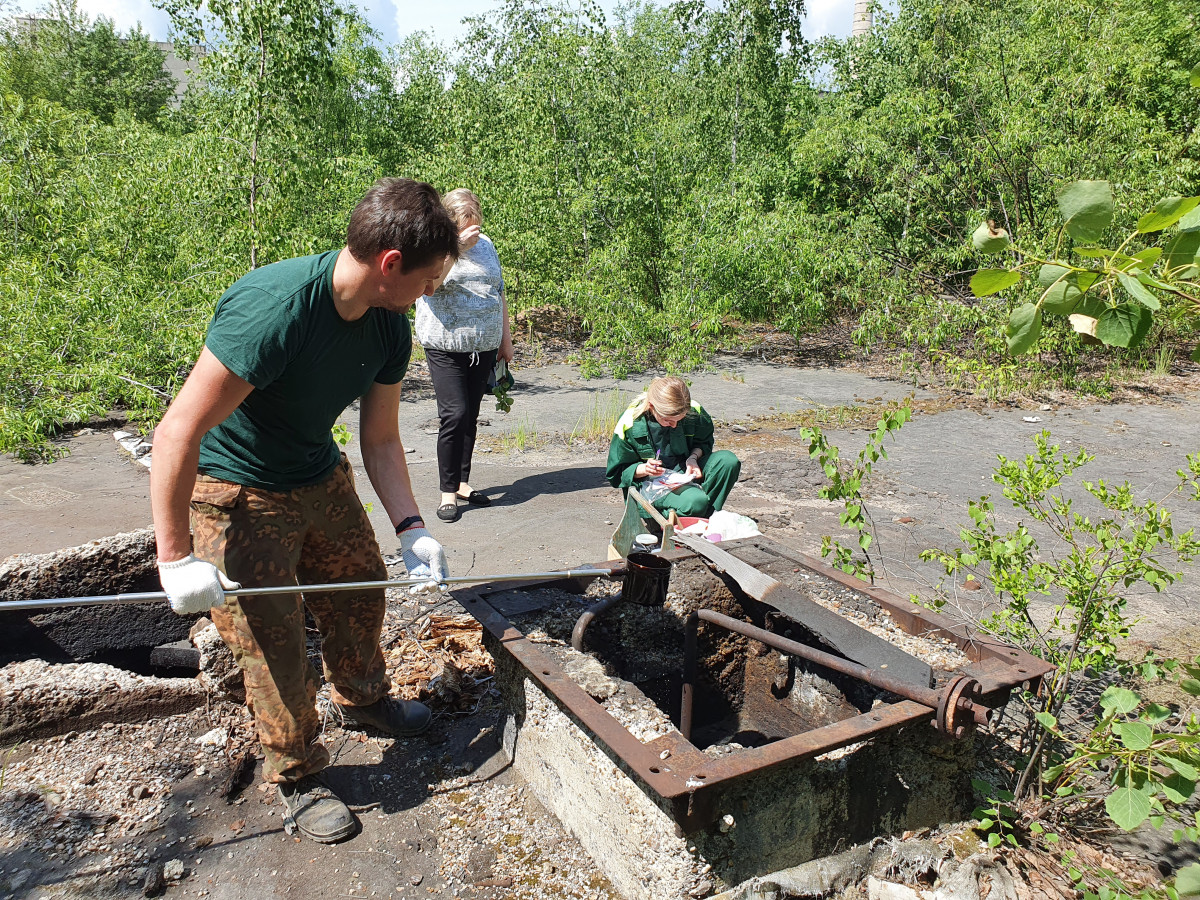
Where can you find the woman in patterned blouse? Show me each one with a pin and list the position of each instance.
(464, 329)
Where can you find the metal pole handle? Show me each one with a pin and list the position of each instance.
(444, 584)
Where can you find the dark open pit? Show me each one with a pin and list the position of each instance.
(783, 759)
(747, 694)
(122, 636)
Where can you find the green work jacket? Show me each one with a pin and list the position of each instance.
(631, 445)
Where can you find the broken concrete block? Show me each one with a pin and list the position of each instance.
(39, 699)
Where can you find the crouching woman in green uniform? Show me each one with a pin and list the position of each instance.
(664, 431)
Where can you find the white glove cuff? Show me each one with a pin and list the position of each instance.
(177, 563)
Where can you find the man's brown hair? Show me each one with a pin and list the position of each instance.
(405, 215)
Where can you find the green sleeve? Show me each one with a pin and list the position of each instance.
(252, 334)
(703, 437)
(623, 460)
(400, 335)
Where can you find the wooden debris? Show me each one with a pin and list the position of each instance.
(444, 666)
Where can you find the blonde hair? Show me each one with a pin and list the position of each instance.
(669, 394)
(462, 204)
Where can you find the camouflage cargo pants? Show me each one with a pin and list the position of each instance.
(311, 535)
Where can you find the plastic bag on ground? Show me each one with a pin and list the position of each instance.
(727, 526)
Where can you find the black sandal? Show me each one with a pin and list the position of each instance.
(478, 499)
(448, 512)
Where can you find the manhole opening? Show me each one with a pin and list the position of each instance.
(746, 693)
(124, 636)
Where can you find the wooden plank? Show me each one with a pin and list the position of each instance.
(667, 525)
(628, 528)
(846, 638)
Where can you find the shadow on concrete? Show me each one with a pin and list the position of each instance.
(556, 481)
(408, 770)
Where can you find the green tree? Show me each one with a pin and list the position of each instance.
(952, 111)
(267, 68)
(86, 66)
(1110, 295)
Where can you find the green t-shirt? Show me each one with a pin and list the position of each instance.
(279, 329)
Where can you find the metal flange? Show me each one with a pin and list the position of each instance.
(956, 711)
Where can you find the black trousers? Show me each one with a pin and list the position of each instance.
(459, 381)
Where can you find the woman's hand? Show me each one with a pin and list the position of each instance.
(506, 348)
(651, 468)
(469, 237)
(693, 468)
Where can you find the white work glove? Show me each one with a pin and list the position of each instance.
(193, 585)
(423, 556)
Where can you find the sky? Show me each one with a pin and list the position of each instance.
(396, 19)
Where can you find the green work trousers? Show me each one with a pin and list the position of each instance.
(721, 469)
(312, 535)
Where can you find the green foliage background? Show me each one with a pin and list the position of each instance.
(670, 176)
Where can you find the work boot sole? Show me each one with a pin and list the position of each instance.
(326, 820)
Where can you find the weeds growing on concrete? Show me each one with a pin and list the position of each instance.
(1137, 760)
(521, 437)
(597, 423)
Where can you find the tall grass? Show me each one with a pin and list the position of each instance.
(598, 421)
(521, 437)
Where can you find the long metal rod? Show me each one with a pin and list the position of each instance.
(158, 596)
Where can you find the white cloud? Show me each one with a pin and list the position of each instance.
(126, 14)
(828, 17)
(444, 20)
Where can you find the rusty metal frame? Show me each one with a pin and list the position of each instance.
(998, 667)
(685, 778)
(956, 697)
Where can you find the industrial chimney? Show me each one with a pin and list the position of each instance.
(863, 18)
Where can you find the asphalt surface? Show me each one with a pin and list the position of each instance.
(552, 508)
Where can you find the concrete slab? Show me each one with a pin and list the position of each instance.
(39, 699)
(551, 507)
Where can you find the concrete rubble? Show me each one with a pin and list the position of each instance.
(40, 699)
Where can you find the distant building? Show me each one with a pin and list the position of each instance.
(176, 67)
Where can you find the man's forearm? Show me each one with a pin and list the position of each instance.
(387, 470)
(172, 478)
(209, 395)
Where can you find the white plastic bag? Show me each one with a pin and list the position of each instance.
(727, 526)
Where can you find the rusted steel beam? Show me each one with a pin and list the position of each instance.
(710, 776)
(686, 771)
(1024, 668)
(606, 730)
(1016, 667)
(689, 783)
(953, 704)
(844, 636)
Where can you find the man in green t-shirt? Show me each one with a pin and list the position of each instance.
(247, 448)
